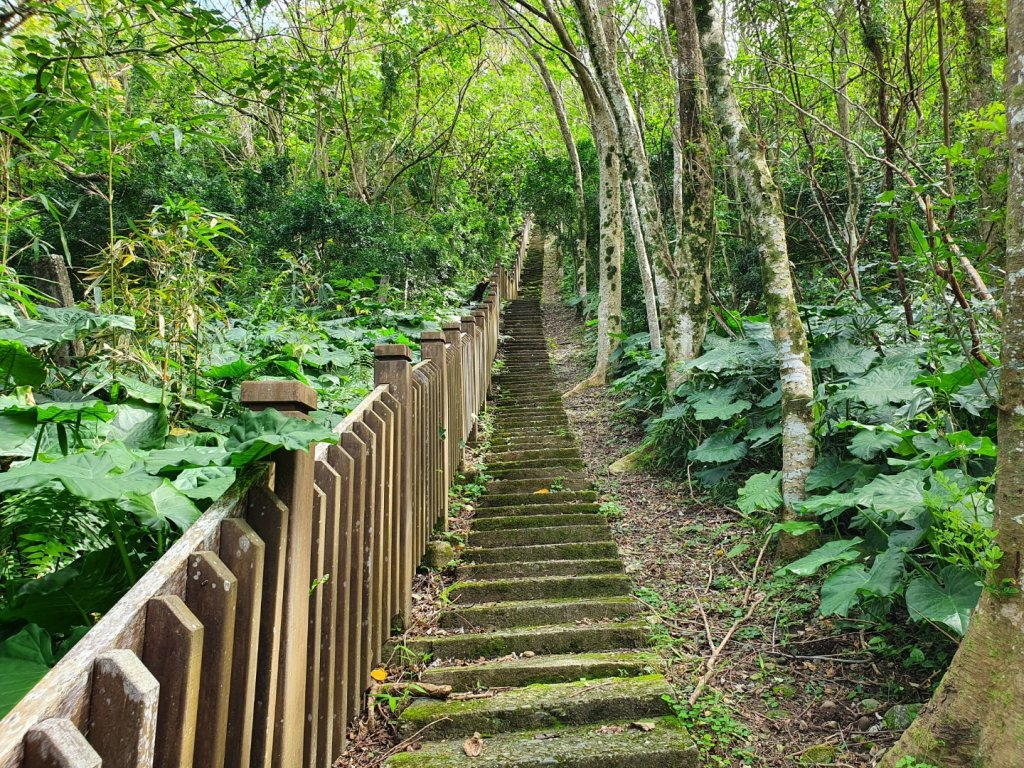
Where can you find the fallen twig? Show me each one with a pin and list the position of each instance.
(717, 651)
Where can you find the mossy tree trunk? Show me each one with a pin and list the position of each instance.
(644, 265)
(766, 220)
(976, 717)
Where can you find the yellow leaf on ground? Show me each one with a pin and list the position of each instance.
(543, 490)
(379, 674)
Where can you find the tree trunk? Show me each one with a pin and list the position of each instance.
(680, 276)
(854, 179)
(976, 717)
(646, 276)
(577, 170)
(767, 224)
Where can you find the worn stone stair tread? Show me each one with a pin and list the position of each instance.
(521, 510)
(556, 668)
(539, 588)
(555, 464)
(511, 522)
(546, 639)
(582, 550)
(524, 613)
(566, 534)
(532, 568)
(546, 475)
(590, 746)
(552, 497)
(544, 705)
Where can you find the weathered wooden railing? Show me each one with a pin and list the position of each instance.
(251, 641)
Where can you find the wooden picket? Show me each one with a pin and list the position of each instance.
(250, 643)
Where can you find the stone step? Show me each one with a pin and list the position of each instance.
(514, 454)
(666, 746)
(532, 485)
(519, 444)
(544, 669)
(531, 569)
(517, 499)
(538, 706)
(536, 613)
(557, 464)
(523, 537)
(542, 588)
(554, 638)
(549, 474)
(536, 509)
(536, 521)
(591, 550)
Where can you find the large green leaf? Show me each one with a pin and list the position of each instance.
(902, 493)
(165, 504)
(948, 601)
(186, 457)
(830, 472)
(97, 476)
(868, 443)
(257, 435)
(57, 325)
(25, 658)
(68, 597)
(845, 357)
(720, 403)
(884, 384)
(833, 551)
(138, 424)
(839, 593)
(18, 367)
(886, 573)
(762, 491)
(205, 482)
(15, 431)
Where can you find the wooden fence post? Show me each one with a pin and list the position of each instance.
(293, 484)
(393, 367)
(470, 400)
(123, 710)
(433, 347)
(456, 406)
(56, 743)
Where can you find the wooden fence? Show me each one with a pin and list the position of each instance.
(251, 641)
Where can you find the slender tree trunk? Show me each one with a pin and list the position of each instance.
(557, 103)
(982, 90)
(854, 178)
(768, 229)
(976, 717)
(680, 276)
(646, 276)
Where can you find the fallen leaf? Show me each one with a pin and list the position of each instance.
(473, 746)
(643, 725)
(379, 674)
(542, 490)
(609, 729)
(528, 654)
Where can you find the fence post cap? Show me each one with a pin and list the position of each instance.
(392, 352)
(468, 319)
(431, 336)
(282, 395)
(452, 326)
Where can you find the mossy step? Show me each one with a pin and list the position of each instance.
(555, 464)
(516, 499)
(533, 568)
(532, 485)
(536, 521)
(523, 537)
(541, 588)
(570, 453)
(553, 638)
(535, 613)
(554, 705)
(561, 668)
(527, 410)
(590, 746)
(589, 550)
(550, 445)
(539, 508)
(549, 473)
(533, 428)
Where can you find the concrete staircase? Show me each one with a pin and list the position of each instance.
(544, 629)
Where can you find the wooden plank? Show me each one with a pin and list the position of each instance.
(123, 710)
(314, 649)
(244, 553)
(346, 628)
(268, 517)
(64, 691)
(371, 499)
(211, 593)
(388, 522)
(398, 504)
(328, 481)
(56, 743)
(173, 653)
(359, 614)
(294, 486)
